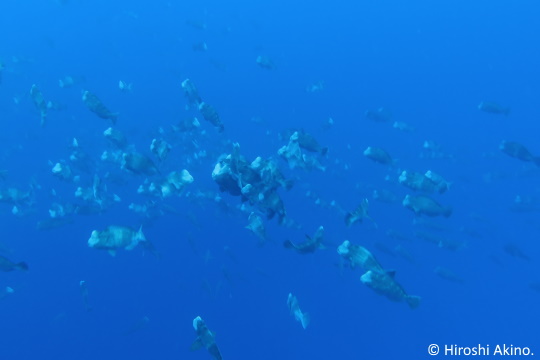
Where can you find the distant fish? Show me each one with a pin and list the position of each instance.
(359, 214)
(205, 338)
(305, 140)
(300, 316)
(210, 114)
(403, 126)
(518, 151)
(310, 245)
(84, 294)
(378, 155)
(199, 46)
(139, 164)
(69, 81)
(417, 181)
(191, 93)
(256, 226)
(441, 184)
(95, 105)
(115, 137)
(358, 256)
(515, 251)
(265, 62)
(160, 148)
(116, 237)
(493, 108)
(379, 115)
(383, 283)
(7, 265)
(125, 86)
(424, 205)
(40, 103)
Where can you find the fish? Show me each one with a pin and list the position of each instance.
(308, 246)
(265, 62)
(440, 183)
(378, 155)
(84, 293)
(125, 86)
(40, 103)
(256, 226)
(417, 181)
(515, 251)
(160, 148)
(116, 138)
(139, 164)
(493, 108)
(358, 256)
(518, 151)
(7, 265)
(205, 338)
(69, 81)
(300, 316)
(199, 46)
(305, 140)
(403, 126)
(424, 205)
(359, 214)
(379, 115)
(191, 93)
(383, 283)
(210, 114)
(116, 237)
(95, 105)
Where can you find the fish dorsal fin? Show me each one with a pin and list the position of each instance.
(197, 344)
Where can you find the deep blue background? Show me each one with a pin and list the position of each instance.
(430, 63)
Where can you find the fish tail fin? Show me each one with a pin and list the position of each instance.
(413, 301)
(21, 266)
(349, 219)
(305, 320)
(114, 117)
(288, 244)
(324, 151)
(140, 236)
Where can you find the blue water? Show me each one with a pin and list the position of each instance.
(429, 63)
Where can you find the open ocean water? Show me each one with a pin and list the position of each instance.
(462, 75)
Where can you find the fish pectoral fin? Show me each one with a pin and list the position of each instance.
(197, 344)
